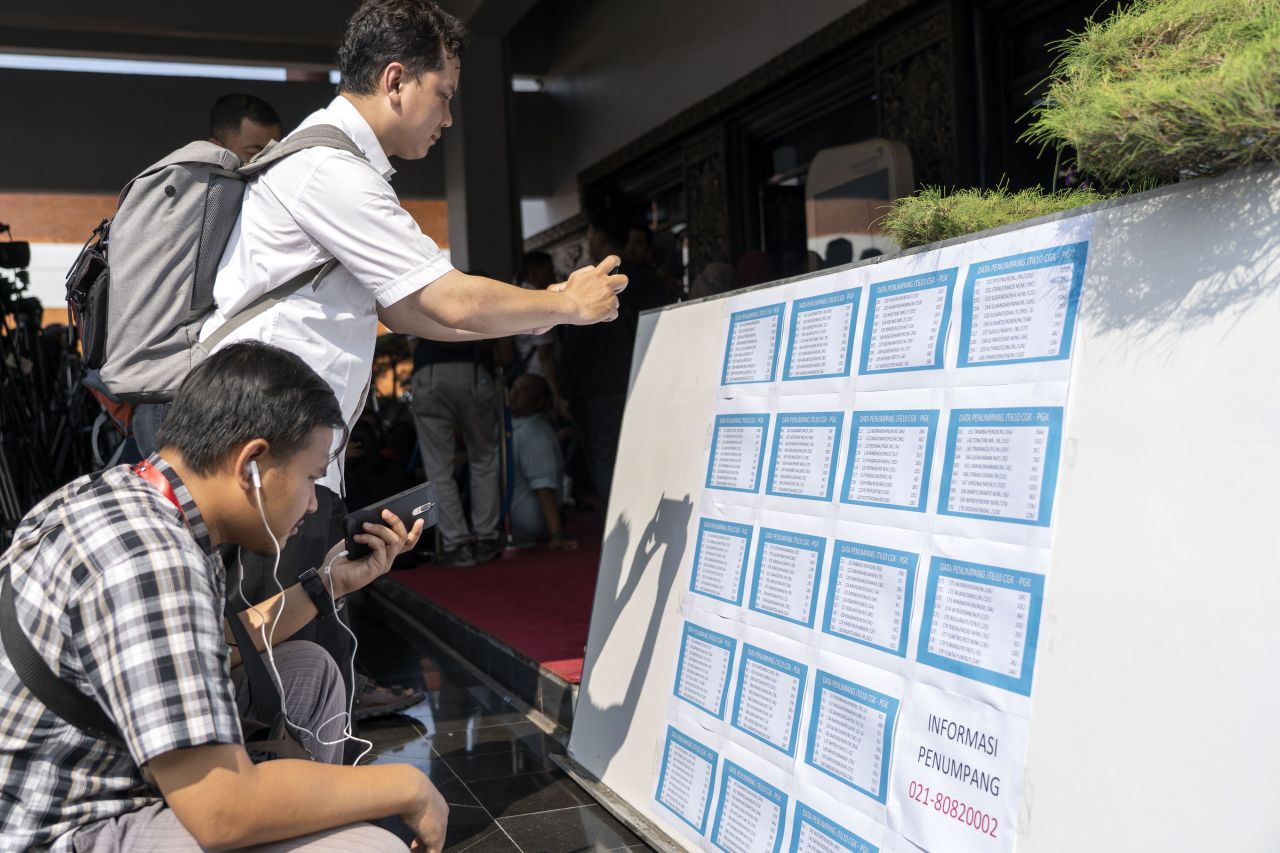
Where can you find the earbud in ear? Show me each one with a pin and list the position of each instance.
(254, 475)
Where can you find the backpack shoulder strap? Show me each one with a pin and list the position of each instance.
(265, 301)
(316, 136)
(263, 690)
(55, 694)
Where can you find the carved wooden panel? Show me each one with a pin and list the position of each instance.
(916, 77)
(707, 199)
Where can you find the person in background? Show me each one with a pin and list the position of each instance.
(753, 267)
(538, 465)
(639, 246)
(871, 252)
(640, 251)
(597, 367)
(839, 253)
(537, 353)
(716, 277)
(455, 396)
(243, 124)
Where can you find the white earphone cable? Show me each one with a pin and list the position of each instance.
(268, 639)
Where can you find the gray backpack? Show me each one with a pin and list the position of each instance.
(142, 287)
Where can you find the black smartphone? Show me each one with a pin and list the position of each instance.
(410, 505)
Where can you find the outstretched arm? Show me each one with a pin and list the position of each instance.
(457, 301)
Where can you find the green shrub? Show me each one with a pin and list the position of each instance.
(932, 214)
(1167, 88)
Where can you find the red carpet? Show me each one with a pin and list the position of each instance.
(538, 601)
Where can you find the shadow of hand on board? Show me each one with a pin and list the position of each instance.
(666, 532)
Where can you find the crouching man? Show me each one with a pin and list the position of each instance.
(117, 584)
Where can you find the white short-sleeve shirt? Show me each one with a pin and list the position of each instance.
(316, 205)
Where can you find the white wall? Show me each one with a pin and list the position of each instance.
(619, 69)
(1155, 697)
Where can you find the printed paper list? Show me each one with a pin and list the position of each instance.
(768, 704)
(821, 335)
(889, 464)
(804, 455)
(736, 464)
(786, 581)
(816, 833)
(869, 602)
(849, 741)
(904, 329)
(753, 345)
(749, 821)
(720, 560)
(686, 783)
(703, 672)
(1020, 315)
(980, 625)
(998, 463)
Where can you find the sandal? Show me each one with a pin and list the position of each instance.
(374, 700)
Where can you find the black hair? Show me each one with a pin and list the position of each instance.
(614, 225)
(839, 251)
(416, 33)
(229, 110)
(245, 391)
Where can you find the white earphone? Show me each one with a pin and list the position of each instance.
(268, 637)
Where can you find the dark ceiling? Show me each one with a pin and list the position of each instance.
(299, 34)
(295, 33)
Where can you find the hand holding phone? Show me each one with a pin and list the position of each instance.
(410, 505)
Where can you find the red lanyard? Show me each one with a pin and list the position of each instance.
(148, 472)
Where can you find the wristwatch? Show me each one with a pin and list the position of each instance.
(326, 606)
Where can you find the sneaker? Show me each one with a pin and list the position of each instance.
(461, 557)
(489, 549)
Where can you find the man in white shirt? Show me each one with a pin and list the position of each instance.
(400, 63)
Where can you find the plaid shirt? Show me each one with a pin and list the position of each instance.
(122, 598)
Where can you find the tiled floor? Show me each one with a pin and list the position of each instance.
(492, 766)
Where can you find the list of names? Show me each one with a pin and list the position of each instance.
(822, 335)
(870, 599)
(809, 840)
(890, 455)
(907, 320)
(816, 833)
(998, 462)
(704, 668)
(753, 345)
(980, 625)
(722, 555)
(686, 779)
(849, 737)
(787, 575)
(769, 692)
(1020, 308)
(804, 454)
(735, 460)
(749, 821)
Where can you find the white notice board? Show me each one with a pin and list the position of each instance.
(968, 549)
